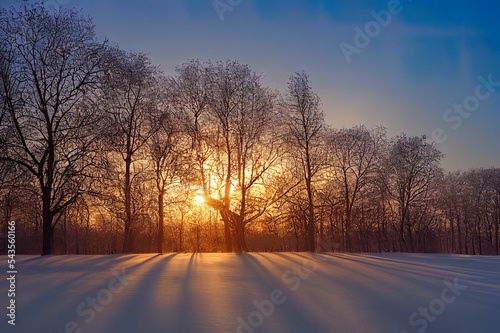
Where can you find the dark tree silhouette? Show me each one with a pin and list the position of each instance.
(49, 65)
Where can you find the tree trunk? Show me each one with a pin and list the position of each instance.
(197, 238)
(459, 236)
(47, 229)
(227, 235)
(161, 218)
(128, 237)
(240, 233)
(297, 238)
(232, 221)
(402, 233)
(410, 239)
(496, 234)
(181, 235)
(466, 240)
(348, 228)
(479, 240)
(65, 234)
(311, 223)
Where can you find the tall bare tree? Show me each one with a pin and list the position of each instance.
(305, 120)
(244, 115)
(168, 151)
(130, 96)
(49, 63)
(231, 128)
(412, 165)
(354, 160)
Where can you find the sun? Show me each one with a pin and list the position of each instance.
(200, 199)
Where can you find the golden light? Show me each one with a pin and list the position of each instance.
(199, 199)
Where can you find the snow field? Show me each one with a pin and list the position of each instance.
(255, 292)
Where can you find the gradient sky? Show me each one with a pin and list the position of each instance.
(425, 60)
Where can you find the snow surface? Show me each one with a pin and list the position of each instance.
(296, 293)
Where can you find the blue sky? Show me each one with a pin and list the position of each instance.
(425, 60)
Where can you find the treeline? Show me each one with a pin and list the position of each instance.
(102, 152)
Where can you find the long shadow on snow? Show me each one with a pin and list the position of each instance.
(56, 312)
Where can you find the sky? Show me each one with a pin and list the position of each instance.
(415, 66)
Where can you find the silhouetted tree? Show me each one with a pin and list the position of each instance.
(131, 99)
(49, 64)
(305, 121)
(411, 166)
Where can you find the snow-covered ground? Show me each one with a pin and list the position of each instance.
(255, 292)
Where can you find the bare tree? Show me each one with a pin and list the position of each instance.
(49, 62)
(355, 159)
(167, 150)
(243, 111)
(479, 208)
(495, 187)
(130, 96)
(305, 120)
(234, 146)
(412, 164)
